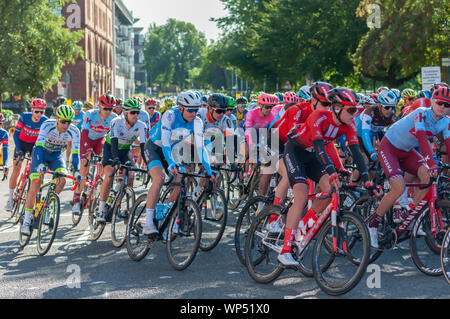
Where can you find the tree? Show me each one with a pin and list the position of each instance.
(34, 46)
(413, 33)
(171, 51)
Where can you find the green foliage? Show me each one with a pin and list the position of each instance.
(172, 51)
(34, 46)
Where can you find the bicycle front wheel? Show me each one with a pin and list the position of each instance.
(184, 234)
(96, 228)
(120, 217)
(343, 273)
(48, 224)
(445, 253)
(214, 219)
(19, 206)
(136, 241)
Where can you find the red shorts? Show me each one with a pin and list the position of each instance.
(395, 161)
(86, 145)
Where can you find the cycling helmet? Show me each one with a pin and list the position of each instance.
(291, 98)
(360, 98)
(39, 104)
(219, 101)
(168, 102)
(383, 88)
(424, 94)
(397, 93)
(442, 93)
(197, 93)
(408, 93)
(319, 90)
(138, 99)
(88, 105)
(438, 85)
(343, 96)
(65, 112)
(387, 97)
(280, 97)
(241, 100)
(204, 99)
(107, 100)
(60, 100)
(267, 99)
(189, 99)
(150, 102)
(304, 92)
(231, 101)
(131, 104)
(77, 105)
(374, 96)
(2, 118)
(119, 103)
(369, 101)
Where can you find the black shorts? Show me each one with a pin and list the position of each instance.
(301, 164)
(154, 156)
(124, 155)
(26, 148)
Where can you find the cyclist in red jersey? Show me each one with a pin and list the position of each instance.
(305, 157)
(424, 102)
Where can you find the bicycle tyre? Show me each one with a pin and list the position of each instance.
(190, 207)
(20, 207)
(43, 248)
(256, 231)
(328, 287)
(136, 241)
(76, 218)
(95, 228)
(220, 220)
(432, 265)
(121, 216)
(445, 259)
(24, 239)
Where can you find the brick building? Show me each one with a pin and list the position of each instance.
(89, 78)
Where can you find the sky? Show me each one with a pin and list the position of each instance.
(197, 12)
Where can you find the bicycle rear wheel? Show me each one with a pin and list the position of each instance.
(136, 241)
(19, 205)
(184, 234)
(445, 256)
(214, 219)
(48, 224)
(120, 217)
(24, 239)
(343, 274)
(96, 228)
(262, 249)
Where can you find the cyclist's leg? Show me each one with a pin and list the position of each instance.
(108, 170)
(283, 185)
(414, 165)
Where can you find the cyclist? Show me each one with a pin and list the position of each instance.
(150, 106)
(95, 127)
(162, 150)
(54, 136)
(60, 100)
(408, 97)
(240, 111)
(304, 93)
(397, 153)
(124, 131)
(289, 99)
(5, 142)
(118, 107)
(77, 121)
(168, 104)
(25, 136)
(305, 157)
(88, 105)
(424, 102)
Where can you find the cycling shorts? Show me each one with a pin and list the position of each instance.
(54, 161)
(124, 156)
(88, 145)
(154, 156)
(395, 161)
(301, 164)
(25, 147)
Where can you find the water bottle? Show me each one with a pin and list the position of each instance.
(166, 209)
(301, 231)
(159, 211)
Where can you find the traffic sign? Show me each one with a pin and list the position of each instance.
(430, 75)
(287, 86)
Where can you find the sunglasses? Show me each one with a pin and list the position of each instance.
(220, 111)
(389, 107)
(38, 112)
(191, 109)
(65, 121)
(351, 110)
(134, 112)
(442, 103)
(151, 107)
(108, 109)
(324, 103)
(268, 107)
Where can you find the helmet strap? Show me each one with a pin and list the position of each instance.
(338, 115)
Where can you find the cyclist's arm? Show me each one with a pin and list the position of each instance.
(366, 132)
(333, 153)
(249, 129)
(421, 135)
(75, 148)
(16, 135)
(357, 156)
(166, 132)
(201, 152)
(5, 143)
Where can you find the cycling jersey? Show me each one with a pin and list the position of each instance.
(126, 136)
(412, 131)
(422, 102)
(50, 143)
(291, 119)
(172, 130)
(4, 140)
(154, 119)
(240, 117)
(27, 130)
(278, 111)
(369, 124)
(145, 118)
(92, 122)
(78, 120)
(255, 121)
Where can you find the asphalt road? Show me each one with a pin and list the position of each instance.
(76, 267)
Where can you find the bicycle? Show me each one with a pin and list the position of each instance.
(46, 215)
(445, 258)
(120, 201)
(240, 190)
(333, 229)
(93, 180)
(20, 192)
(428, 221)
(181, 228)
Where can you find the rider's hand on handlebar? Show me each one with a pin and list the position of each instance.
(334, 181)
(374, 190)
(345, 175)
(433, 171)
